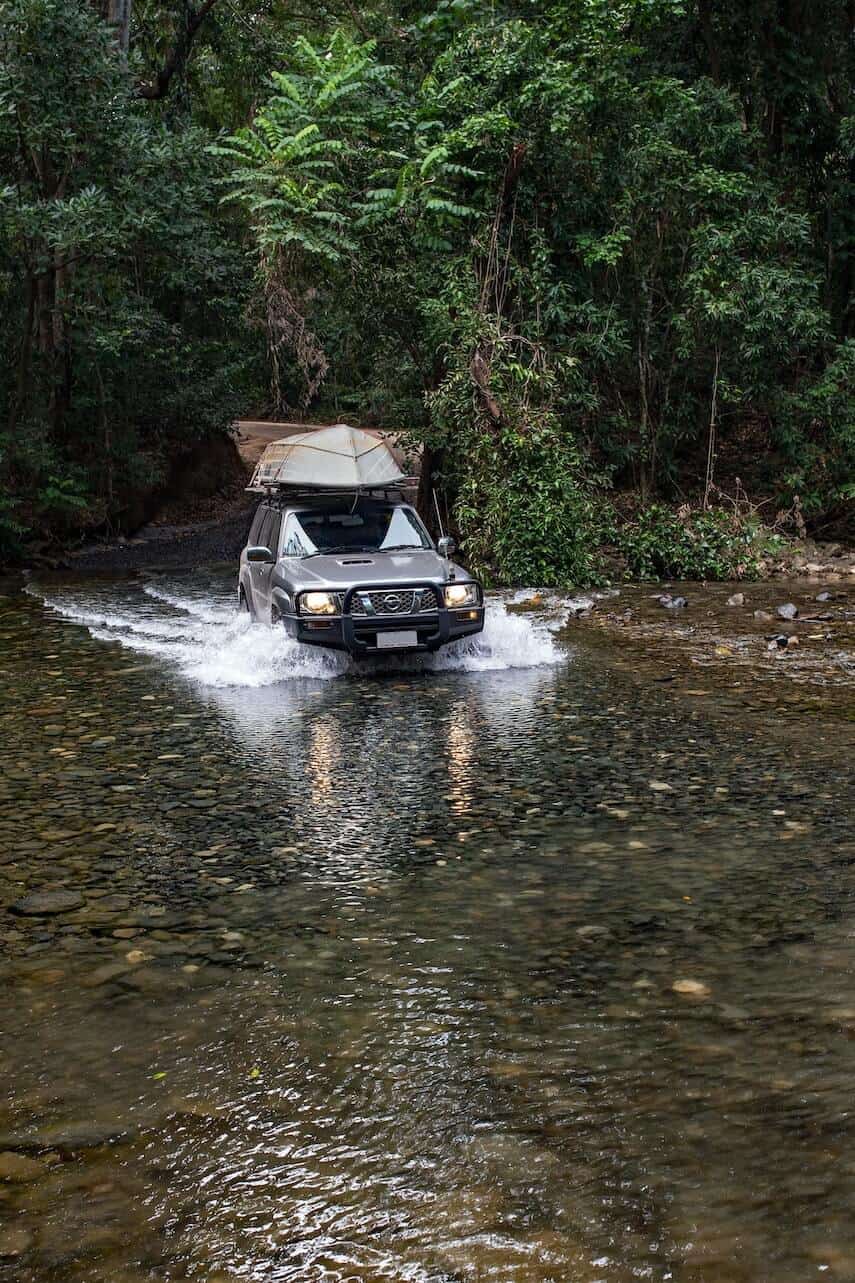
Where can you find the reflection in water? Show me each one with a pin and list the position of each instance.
(461, 760)
(516, 976)
(378, 764)
(322, 761)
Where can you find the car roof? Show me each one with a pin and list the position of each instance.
(288, 503)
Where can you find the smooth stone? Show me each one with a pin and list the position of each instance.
(14, 1241)
(17, 1169)
(104, 975)
(691, 988)
(737, 599)
(787, 611)
(66, 1139)
(45, 903)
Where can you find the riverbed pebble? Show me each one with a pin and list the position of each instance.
(15, 1240)
(691, 988)
(47, 903)
(17, 1169)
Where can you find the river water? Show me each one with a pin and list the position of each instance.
(515, 966)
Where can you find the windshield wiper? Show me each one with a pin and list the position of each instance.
(402, 547)
(326, 552)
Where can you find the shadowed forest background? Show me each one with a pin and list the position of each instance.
(596, 259)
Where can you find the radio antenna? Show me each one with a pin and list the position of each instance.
(438, 513)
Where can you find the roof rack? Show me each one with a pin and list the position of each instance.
(287, 492)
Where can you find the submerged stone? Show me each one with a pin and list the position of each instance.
(46, 903)
(17, 1169)
(15, 1240)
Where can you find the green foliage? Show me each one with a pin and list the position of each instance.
(816, 431)
(567, 247)
(11, 529)
(122, 287)
(690, 544)
(525, 513)
(522, 498)
(308, 147)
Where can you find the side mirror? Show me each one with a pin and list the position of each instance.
(446, 546)
(259, 553)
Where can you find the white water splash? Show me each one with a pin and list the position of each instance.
(199, 630)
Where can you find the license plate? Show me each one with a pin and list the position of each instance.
(395, 641)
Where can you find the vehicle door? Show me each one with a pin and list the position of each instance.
(258, 539)
(263, 570)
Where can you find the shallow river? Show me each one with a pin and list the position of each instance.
(517, 966)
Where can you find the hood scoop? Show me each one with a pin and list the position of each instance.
(357, 561)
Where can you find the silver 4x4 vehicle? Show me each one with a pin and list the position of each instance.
(355, 572)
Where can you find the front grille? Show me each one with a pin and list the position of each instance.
(393, 601)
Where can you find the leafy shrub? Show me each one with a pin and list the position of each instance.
(523, 493)
(525, 514)
(816, 428)
(11, 529)
(63, 502)
(690, 544)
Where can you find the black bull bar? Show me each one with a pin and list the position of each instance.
(384, 623)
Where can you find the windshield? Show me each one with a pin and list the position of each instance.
(365, 528)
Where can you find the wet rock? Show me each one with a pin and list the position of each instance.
(105, 975)
(823, 596)
(787, 611)
(137, 956)
(672, 603)
(46, 903)
(691, 988)
(762, 616)
(66, 1139)
(592, 932)
(17, 1169)
(580, 605)
(737, 599)
(15, 1240)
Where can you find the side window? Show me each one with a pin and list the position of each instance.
(255, 528)
(264, 532)
(272, 539)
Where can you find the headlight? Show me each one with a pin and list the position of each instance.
(461, 595)
(317, 603)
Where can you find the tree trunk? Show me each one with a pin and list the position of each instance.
(710, 39)
(117, 13)
(22, 382)
(711, 443)
(431, 462)
(60, 349)
(120, 17)
(646, 430)
(177, 58)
